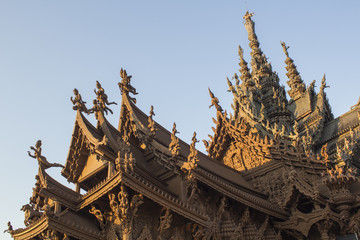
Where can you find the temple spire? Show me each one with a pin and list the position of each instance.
(259, 64)
(244, 70)
(296, 84)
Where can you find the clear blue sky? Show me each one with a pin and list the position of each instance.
(174, 50)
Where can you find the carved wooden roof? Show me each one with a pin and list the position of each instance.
(286, 159)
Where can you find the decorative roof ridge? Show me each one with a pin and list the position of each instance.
(339, 132)
(184, 144)
(56, 186)
(244, 197)
(90, 130)
(43, 220)
(81, 231)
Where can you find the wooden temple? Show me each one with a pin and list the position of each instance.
(276, 168)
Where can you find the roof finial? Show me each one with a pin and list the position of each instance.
(259, 63)
(151, 125)
(101, 102)
(215, 102)
(296, 84)
(43, 163)
(125, 86)
(78, 103)
(248, 15)
(174, 146)
(323, 84)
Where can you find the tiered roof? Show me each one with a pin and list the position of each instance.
(285, 160)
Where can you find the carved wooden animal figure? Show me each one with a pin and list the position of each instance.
(30, 214)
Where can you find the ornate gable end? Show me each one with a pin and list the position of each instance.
(86, 152)
(246, 150)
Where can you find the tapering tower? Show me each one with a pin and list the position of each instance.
(271, 96)
(296, 84)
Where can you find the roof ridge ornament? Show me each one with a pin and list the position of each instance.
(215, 101)
(43, 163)
(101, 102)
(174, 146)
(323, 84)
(192, 160)
(248, 15)
(78, 103)
(125, 86)
(151, 125)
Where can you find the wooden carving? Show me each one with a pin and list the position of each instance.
(151, 125)
(99, 216)
(43, 163)
(215, 102)
(78, 103)
(165, 221)
(9, 229)
(192, 159)
(102, 97)
(125, 86)
(31, 214)
(174, 146)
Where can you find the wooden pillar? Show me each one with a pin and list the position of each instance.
(77, 187)
(111, 168)
(57, 207)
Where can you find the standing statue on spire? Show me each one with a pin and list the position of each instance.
(125, 86)
(43, 163)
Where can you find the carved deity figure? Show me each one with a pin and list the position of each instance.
(99, 216)
(129, 162)
(221, 208)
(43, 163)
(215, 102)
(95, 109)
(101, 96)
(165, 221)
(123, 201)
(125, 86)
(78, 103)
(46, 208)
(136, 201)
(119, 161)
(114, 205)
(174, 146)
